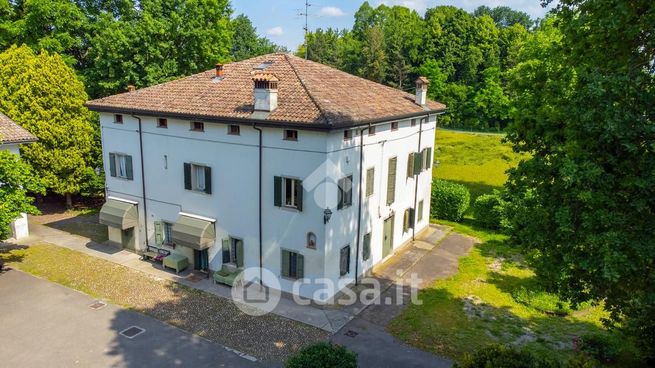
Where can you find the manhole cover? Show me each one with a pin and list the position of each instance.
(132, 332)
(351, 333)
(97, 305)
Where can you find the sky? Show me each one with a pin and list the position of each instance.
(279, 20)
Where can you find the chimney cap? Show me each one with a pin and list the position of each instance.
(260, 76)
(131, 88)
(422, 80)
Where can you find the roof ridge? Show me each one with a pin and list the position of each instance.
(302, 83)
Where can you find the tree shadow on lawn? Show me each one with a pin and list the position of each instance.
(8, 254)
(85, 225)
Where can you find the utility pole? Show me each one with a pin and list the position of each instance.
(306, 15)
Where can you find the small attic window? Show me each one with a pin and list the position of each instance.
(263, 65)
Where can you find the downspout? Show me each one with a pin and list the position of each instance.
(420, 134)
(359, 202)
(261, 262)
(143, 180)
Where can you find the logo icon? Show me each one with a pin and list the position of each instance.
(255, 295)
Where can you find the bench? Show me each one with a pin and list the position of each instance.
(156, 254)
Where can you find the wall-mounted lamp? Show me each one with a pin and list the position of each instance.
(326, 215)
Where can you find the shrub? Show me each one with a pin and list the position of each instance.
(489, 211)
(505, 357)
(542, 301)
(449, 200)
(581, 361)
(603, 347)
(323, 355)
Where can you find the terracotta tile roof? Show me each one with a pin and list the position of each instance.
(309, 94)
(10, 132)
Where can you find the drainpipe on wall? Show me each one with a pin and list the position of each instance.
(420, 134)
(261, 262)
(359, 202)
(143, 180)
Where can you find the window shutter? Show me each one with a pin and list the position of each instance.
(208, 180)
(344, 261)
(300, 266)
(418, 162)
(370, 181)
(420, 211)
(428, 159)
(411, 218)
(285, 263)
(226, 250)
(391, 181)
(112, 164)
(340, 194)
(128, 168)
(239, 253)
(299, 193)
(406, 221)
(411, 159)
(349, 190)
(159, 234)
(187, 176)
(277, 191)
(366, 251)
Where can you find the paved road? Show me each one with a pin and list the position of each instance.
(47, 325)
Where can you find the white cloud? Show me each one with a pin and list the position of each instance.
(275, 31)
(332, 11)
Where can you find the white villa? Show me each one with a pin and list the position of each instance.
(275, 163)
(12, 136)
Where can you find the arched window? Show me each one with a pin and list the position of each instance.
(311, 240)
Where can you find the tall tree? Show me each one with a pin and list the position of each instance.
(42, 94)
(585, 200)
(504, 16)
(374, 58)
(246, 43)
(17, 181)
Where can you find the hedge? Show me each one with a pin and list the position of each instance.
(323, 355)
(497, 356)
(449, 200)
(489, 211)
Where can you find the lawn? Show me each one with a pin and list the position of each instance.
(495, 297)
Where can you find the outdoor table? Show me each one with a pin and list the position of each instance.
(177, 262)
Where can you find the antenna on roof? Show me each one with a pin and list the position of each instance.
(306, 15)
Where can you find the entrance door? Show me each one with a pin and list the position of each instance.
(387, 242)
(127, 240)
(201, 260)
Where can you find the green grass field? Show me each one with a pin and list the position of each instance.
(495, 297)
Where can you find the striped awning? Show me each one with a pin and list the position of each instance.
(122, 215)
(194, 232)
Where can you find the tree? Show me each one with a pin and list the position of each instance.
(246, 43)
(17, 180)
(504, 16)
(584, 201)
(42, 94)
(374, 58)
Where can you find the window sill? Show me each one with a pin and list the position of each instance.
(197, 191)
(291, 139)
(121, 178)
(197, 130)
(162, 127)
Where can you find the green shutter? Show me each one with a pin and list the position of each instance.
(277, 191)
(208, 180)
(187, 176)
(349, 190)
(300, 266)
(411, 159)
(411, 218)
(159, 233)
(366, 248)
(406, 221)
(420, 211)
(226, 250)
(428, 159)
(112, 164)
(285, 263)
(370, 181)
(418, 162)
(340, 193)
(299, 194)
(239, 253)
(391, 181)
(128, 168)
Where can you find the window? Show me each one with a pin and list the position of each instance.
(162, 123)
(344, 260)
(410, 165)
(168, 233)
(370, 181)
(347, 135)
(234, 130)
(371, 130)
(233, 251)
(391, 180)
(198, 178)
(118, 119)
(293, 264)
(408, 219)
(427, 158)
(345, 192)
(414, 164)
(291, 135)
(197, 126)
(413, 122)
(120, 166)
(288, 192)
(164, 233)
(420, 211)
(311, 240)
(366, 247)
(394, 125)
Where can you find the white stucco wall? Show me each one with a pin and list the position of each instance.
(19, 227)
(314, 158)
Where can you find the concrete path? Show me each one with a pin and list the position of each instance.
(47, 325)
(433, 257)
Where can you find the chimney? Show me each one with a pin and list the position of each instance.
(265, 91)
(131, 88)
(219, 70)
(422, 91)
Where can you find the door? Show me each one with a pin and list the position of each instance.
(387, 242)
(128, 241)
(201, 260)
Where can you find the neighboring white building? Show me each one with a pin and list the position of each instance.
(12, 136)
(258, 164)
